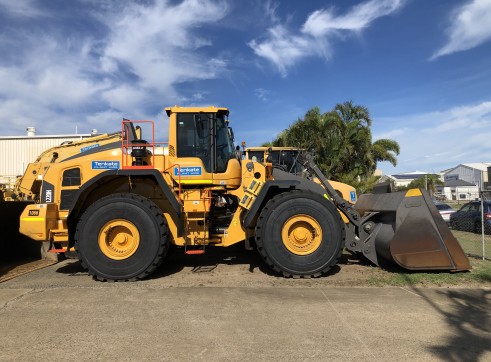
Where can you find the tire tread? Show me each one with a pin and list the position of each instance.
(163, 247)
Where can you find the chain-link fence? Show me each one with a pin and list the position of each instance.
(470, 223)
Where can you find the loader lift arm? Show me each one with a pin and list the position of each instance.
(358, 235)
(348, 210)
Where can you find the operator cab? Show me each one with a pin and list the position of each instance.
(201, 146)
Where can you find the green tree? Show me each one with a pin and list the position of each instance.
(385, 149)
(342, 142)
(428, 182)
(350, 141)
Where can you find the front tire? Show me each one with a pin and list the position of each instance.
(122, 237)
(300, 234)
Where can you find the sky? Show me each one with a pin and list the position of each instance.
(421, 67)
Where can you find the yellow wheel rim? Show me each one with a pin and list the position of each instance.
(301, 234)
(119, 239)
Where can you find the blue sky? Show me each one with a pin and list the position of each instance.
(422, 67)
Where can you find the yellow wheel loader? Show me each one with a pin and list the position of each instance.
(122, 200)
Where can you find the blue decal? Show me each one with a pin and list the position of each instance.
(188, 171)
(353, 195)
(105, 165)
(87, 148)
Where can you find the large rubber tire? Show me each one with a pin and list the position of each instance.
(122, 237)
(319, 228)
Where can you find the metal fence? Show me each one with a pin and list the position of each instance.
(471, 225)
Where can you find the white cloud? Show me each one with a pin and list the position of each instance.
(158, 42)
(322, 22)
(439, 140)
(282, 48)
(262, 94)
(270, 10)
(285, 48)
(104, 117)
(21, 8)
(470, 26)
(147, 50)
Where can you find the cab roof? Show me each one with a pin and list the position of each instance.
(265, 148)
(207, 109)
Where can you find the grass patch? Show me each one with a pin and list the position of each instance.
(480, 275)
(472, 243)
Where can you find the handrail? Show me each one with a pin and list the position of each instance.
(127, 160)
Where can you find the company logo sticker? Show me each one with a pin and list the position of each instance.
(105, 165)
(188, 171)
(87, 148)
(353, 195)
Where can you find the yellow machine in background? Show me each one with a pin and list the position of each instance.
(123, 199)
(288, 159)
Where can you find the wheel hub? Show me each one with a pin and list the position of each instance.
(119, 239)
(301, 234)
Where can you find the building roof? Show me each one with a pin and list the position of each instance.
(455, 183)
(79, 135)
(481, 166)
(413, 175)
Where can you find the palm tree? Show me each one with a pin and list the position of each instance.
(351, 125)
(428, 182)
(385, 149)
(341, 140)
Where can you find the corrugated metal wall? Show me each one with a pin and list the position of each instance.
(467, 174)
(16, 153)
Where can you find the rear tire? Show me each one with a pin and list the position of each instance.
(300, 234)
(122, 237)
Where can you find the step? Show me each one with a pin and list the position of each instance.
(195, 251)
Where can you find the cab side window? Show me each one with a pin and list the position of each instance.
(71, 177)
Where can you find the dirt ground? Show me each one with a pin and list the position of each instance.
(235, 266)
(15, 268)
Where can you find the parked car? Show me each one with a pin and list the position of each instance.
(468, 218)
(445, 210)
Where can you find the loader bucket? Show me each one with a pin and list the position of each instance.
(410, 232)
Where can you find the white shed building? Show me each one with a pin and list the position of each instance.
(458, 190)
(16, 152)
(404, 179)
(474, 173)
